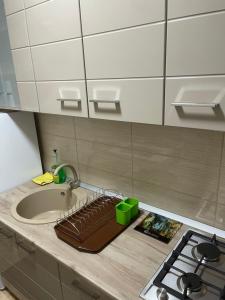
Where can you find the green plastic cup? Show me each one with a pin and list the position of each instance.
(123, 213)
(133, 203)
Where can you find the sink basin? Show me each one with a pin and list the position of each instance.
(43, 206)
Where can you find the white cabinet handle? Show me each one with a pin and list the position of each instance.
(191, 104)
(68, 99)
(104, 101)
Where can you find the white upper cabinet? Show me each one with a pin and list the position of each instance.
(196, 102)
(182, 8)
(131, 100)
(12, 6)
(196, 45)
(53, 21)
(101, 15)
(133, 52)
(58, 61)
(29, 3)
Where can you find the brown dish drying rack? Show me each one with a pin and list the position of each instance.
(92, 226)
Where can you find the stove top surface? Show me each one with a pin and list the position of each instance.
(194, 270)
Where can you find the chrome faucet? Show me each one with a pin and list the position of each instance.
(73, 184)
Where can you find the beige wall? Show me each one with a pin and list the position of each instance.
(176, 169)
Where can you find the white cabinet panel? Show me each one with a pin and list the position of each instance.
(17, 29)
(28, 96)
(53, 21)
(196, 45)
(59, 61)
(29, 3)
(101, 15)
(181, 8)
(199, 90)
(49, 92)
(23, 64)
(136, 52)
(139, 100)
(12, 6)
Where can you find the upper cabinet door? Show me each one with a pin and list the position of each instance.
(53, 21)
(182, 8)
(133, 52)
(101, 15)
(196, 45)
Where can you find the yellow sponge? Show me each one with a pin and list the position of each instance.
(43, 179)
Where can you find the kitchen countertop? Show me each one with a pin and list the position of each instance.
(122, 269)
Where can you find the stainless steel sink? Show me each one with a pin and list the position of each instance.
(45, 205)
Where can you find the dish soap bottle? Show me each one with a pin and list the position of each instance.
(61, 177)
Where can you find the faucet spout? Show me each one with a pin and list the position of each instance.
(75, 183)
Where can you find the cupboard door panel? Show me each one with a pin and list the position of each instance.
(101, 15)
(181, 8)
(76, 287)
(39, 266)
(196, 45)
(50, 94)
(28, 96)
(12, 6)
(136, 52)
(194, 92)
(53, 21)
(132, 100)
(59, 61)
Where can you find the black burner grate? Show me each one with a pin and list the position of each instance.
(191, 281)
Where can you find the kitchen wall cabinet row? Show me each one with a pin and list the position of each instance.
(33, 274)
(156, 62)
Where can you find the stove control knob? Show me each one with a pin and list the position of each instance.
(162, 294)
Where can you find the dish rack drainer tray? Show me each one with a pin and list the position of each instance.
(92, 227)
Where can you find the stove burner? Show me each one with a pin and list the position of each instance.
(192, 282)
(209, 251)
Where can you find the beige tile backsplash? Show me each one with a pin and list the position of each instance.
(177, 169)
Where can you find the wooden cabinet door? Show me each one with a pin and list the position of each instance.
(76, 287)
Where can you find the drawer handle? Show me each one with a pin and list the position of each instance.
(22, 246)
(68, 99)
(83, 290)
(104, 101)
(191, 104)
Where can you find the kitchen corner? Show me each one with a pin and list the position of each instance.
(120, 271)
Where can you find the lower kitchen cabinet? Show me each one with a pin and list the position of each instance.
(131, 100)
(77, 287)
(195, 102)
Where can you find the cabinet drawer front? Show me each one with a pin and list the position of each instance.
(38, 266)
(59, 61)
(25, 285)
(49, 92)
(196, 45)
(138, 100)
(77, 287)
(53, 21)
(28, 96)
(8, 249)
(190, 92)
(135, 52)
(101, 15)
(181, 8)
